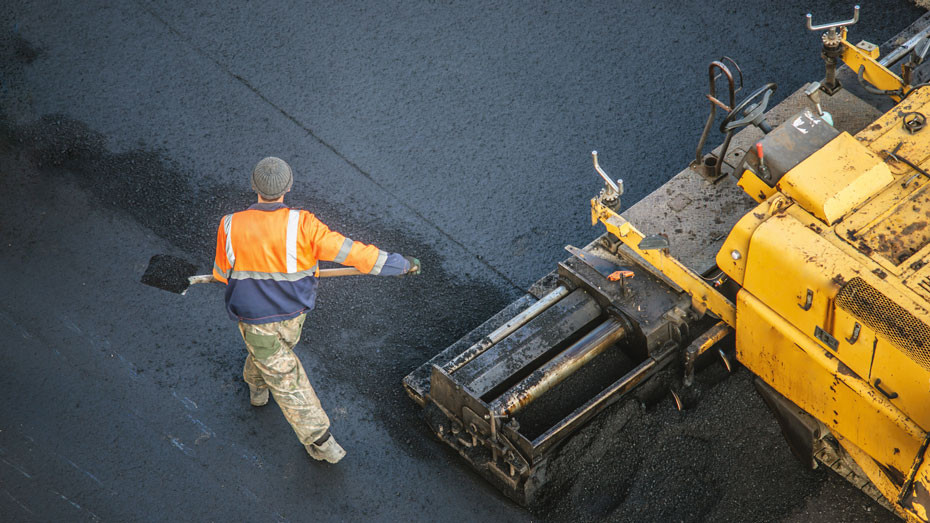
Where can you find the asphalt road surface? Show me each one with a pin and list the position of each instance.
(459, 132)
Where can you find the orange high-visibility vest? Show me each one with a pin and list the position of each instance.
(268, 256)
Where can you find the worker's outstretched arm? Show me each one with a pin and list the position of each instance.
(331, 246)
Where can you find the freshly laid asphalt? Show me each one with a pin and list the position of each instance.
(456, 132)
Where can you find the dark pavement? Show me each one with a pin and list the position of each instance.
(460, 133)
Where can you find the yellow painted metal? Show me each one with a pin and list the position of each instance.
(754, 187)
(919, 282)
(791, 245)
(875, 73)
(856, 352)
(917, 500)
(876, 228)
(794, 271)
(703, 295)
(712, 337)
(887, 132)
(868, 49)
(731, 258)
(900, 376)
(834, 306)
(893, 227)
(901, 234)
(836, 179)
(826, 359)
(814, 379)
(881, 481)
(891, 120)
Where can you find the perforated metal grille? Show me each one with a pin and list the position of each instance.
(887, 318)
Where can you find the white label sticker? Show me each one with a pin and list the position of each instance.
(806, 121)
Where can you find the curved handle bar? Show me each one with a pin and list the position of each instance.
(610, 183)
(888, 394)
(834, 25)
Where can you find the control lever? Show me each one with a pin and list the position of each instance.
(893, 154)
(610, 194)
(762, 169)
(832, 48)
(813, 93)
(613, 187)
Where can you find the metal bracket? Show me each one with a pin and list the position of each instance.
(918, 461)
(917, 57)
(700, 345)
(832, 48)
(654, 242)
(826, 338)
(711, 166)
(914, 122)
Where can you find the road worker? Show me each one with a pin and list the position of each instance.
(267, 255)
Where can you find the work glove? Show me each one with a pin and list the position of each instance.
(414, 265)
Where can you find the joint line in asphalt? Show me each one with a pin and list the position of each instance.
(145, 7)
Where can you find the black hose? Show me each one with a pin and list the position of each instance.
(875, 90)
(912, 89)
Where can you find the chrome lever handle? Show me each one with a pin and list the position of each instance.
(616, 187)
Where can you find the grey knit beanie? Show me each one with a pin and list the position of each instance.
(272, 177)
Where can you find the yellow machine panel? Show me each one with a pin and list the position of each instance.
(837, 319)
(917, 502)
(893, 229)
(810, 272)
(755, 187)
(896, 341)
(831, 275)
(815, 380)
(732, 256)
(887, 133)
(873, 72)
(837, 178)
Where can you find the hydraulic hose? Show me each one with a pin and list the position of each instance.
(875, 90)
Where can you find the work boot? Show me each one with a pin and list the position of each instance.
(258, 397)
(329, 450)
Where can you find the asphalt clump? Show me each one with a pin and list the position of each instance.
(722, 458)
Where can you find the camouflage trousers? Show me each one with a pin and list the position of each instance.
(272, 364)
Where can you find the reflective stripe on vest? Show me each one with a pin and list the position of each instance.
(221, 271)
(276, 276)
(227, 228)
(293, 221)
(382, 257)
(344, 251)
